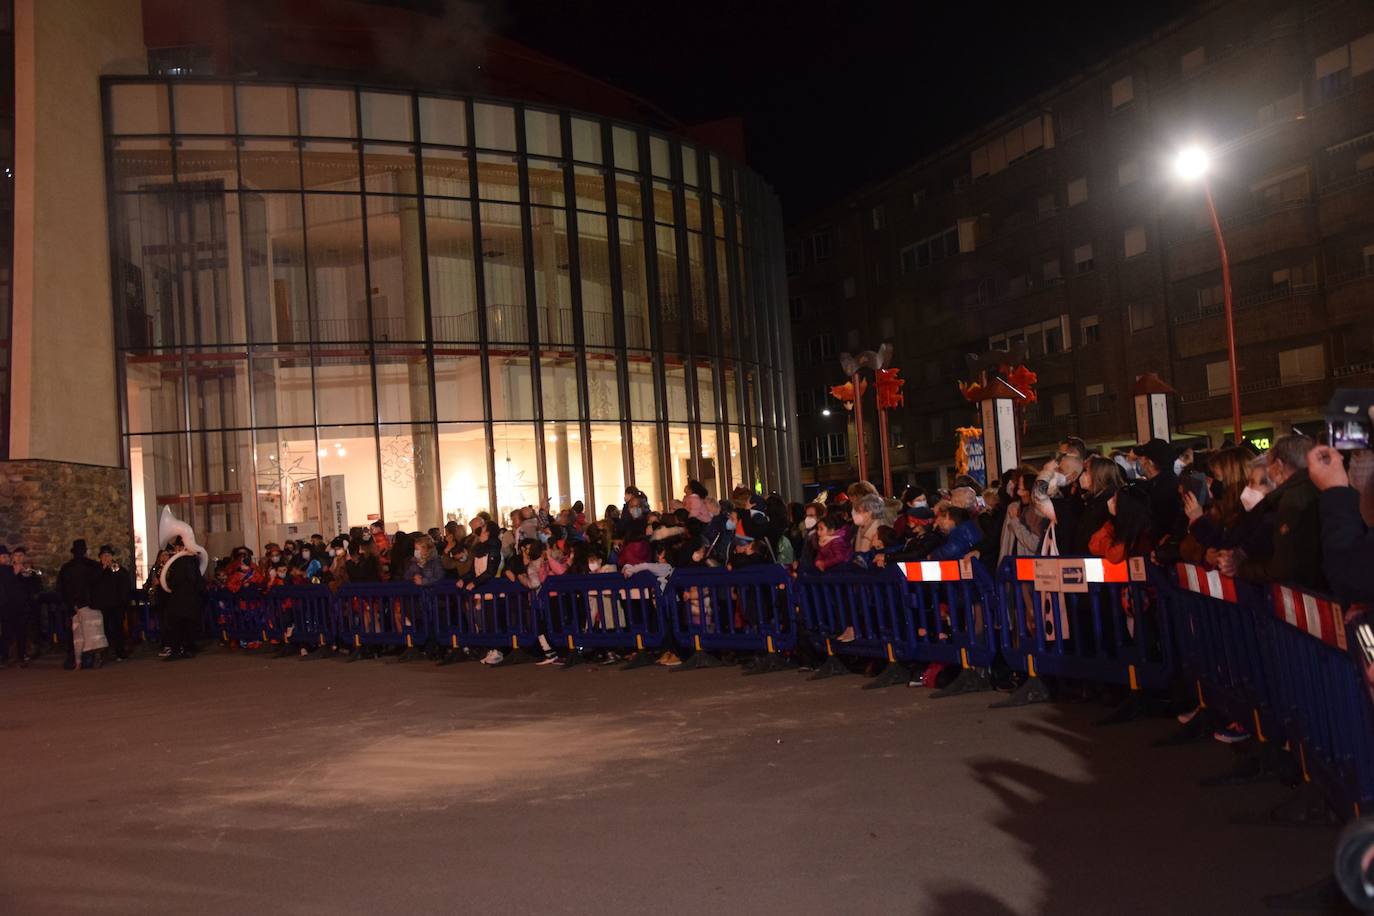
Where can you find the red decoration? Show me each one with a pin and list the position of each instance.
(889, 388)
(845, 393)
(1018, 377)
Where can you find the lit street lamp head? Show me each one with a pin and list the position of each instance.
(1191, 163)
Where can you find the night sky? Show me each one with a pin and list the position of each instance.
(834, 95)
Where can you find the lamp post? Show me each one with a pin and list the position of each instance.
(1191, 164)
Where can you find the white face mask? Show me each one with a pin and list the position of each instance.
(419, 555)
(1178, 466)
(594, 565)
(862, 519)
(1059, 480)
(809, 522)
(1251, 497)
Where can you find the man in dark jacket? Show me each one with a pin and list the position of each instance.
(13, 619)
(76, 582)
(111, 596)
(1156, 459)
(185, 588)
(1347, 543)
(1293, 554)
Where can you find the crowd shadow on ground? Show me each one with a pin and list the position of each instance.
(1108, 838)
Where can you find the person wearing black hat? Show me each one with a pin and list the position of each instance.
(76, 582)
(13, 621)
(1156, 459)
(110, 597)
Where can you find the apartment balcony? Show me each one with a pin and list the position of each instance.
(1359, 375)
(1350, 296)
(1272, 315)
(1346, 204)
(1250, 235)
(1256, 397)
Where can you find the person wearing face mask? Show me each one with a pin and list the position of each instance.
(424, 567)
(1217, 525)
(1347, 541)
(868, 518)
(1058, 496)
(1156, 461)
(1285, 544)
(913, 498)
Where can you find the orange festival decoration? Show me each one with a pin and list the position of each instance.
(1019, 377)
(845, 393)
(889, 388)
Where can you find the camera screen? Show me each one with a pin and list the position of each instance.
(1347, 435)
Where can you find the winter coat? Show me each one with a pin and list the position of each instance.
(1347, 545)
(837, 552)
(1294, 554)
(112, 589)
(964, 538)
(76, 582)
(185, 598)
(431, 571)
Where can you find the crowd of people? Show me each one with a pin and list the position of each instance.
(1288, 514)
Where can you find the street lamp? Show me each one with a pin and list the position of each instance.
(825, 411)
(1192, 164)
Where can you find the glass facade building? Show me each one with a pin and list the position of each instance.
(339, 303)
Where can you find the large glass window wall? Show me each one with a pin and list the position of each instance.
(335, 305)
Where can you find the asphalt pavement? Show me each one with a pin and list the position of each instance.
(245, 784)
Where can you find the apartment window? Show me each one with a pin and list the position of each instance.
(1135, 241)
(894, 435)
(1089, 330)
(1123, 91)
(877, 273)
(999, 342)
(793, 262)
(1016, 286)
(937, 429)
(1054, 337)
(807, 447)
(930, 250)
(1095, 398)
(851, 289)
(876, 217)
(1304, 364)
(918, 197)
(1044, 206)
(806, 402)
(1297, 276)
(820, 245)
(1142, 316)
(837, 445)
(1364, 161)
(1282, 109)
(827, 345)
(1017, 143)
(1368, 256)
(1333, 72)
(1083, 258)
(1209, 298)
(1128, 172)
(1070, 122)
(1061, 403)
(1192, 61)
(1078, 192)
(1281, 189)
(1218, 378)
(1049, 269)
(796, 305)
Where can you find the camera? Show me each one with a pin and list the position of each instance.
(1347, 419)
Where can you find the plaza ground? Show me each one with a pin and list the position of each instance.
(245, 784)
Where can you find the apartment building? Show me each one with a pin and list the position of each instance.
(1062, 224)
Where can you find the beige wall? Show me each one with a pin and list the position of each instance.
(64, 403)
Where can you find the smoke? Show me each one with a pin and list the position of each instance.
(444, 47)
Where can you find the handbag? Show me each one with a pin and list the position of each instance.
(1052, 628)
(88, 632)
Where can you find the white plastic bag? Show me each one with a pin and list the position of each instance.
(88, 632)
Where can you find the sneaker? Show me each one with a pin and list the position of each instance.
(669, 660)
(1185, 717)
(166, 651)
(550, 658)
(1232, 734)
(846, 636)
(493, 657)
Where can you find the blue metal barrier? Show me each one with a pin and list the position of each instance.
(1083, 617)
(746, 610)
(305, 614)
(604, 610)
(867, 605)
(383, 614)
(1277, 661)
(499, 614)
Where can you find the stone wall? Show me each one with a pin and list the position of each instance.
(45, 505)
